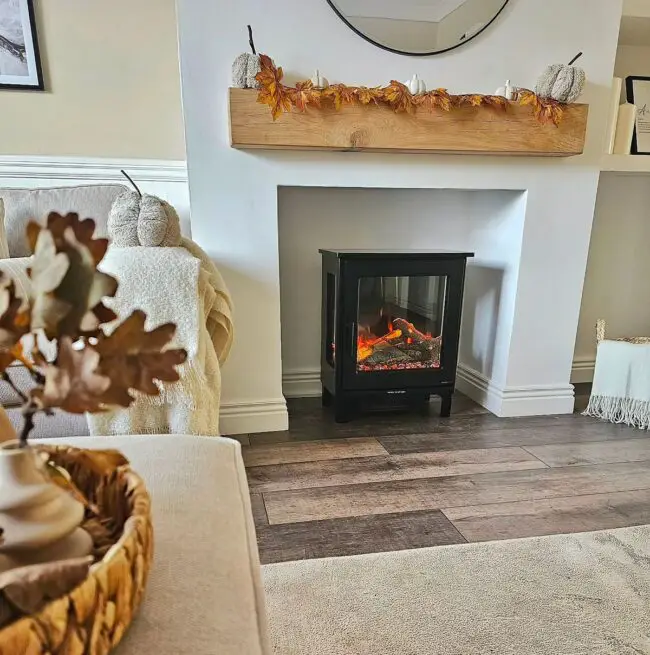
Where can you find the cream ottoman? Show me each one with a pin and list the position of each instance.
(205, 594)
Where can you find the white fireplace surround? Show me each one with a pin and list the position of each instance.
(234, 194)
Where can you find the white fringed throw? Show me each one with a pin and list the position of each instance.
(183, 286)
(621, 389)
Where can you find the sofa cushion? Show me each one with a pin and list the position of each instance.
(22, 205)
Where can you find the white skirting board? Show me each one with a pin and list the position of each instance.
(513, 401)
(253, 416)
(534, 400)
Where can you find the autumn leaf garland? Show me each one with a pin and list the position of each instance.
(281, 98)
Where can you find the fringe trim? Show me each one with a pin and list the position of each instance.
(635, 413)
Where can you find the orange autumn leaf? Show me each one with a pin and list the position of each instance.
(272, 92)
(304, 94)
(340, 94)
(437, 99)
(498, 102)
(399, 97)
(367, 95)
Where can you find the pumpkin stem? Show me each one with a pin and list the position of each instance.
(128, 177)
(250, 39)
(575, 59)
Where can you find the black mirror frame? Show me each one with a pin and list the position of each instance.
(413, 54)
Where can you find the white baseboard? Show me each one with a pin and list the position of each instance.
(257, 416)
(583, 370)
(513, 401)
(302, 383)
(533, 400)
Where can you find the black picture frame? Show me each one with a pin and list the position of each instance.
(365, 37)
(32, 55)
(639, 146)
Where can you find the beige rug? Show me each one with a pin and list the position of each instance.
(560, 595)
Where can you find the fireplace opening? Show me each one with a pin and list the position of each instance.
(390, 325)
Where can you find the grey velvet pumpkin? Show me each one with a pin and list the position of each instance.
(561, 82)
(244, 70)
(246, 67)
(136, 220)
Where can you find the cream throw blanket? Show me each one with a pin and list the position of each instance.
(621, 389)
(183, 286)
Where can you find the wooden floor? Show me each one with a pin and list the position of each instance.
(396, 481)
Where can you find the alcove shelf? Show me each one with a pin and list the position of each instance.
(469, 130)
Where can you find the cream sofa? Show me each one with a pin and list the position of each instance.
(21, 206)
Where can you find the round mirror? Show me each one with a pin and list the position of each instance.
(418, 27)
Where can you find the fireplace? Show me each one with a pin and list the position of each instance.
(390, 327)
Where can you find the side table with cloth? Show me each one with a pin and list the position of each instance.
(204, 594)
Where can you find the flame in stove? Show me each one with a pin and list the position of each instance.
(402, 347)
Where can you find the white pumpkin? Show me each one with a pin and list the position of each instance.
(319, 81)
(507, 91)
(562, 82)
(415, 85)
(246, 66)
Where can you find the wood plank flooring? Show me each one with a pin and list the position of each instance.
(396, 481)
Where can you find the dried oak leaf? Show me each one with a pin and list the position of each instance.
(73, 382)
(399, 97)
(497, 102)
(304, 94)
(133, 358)
(67, 289)
(272, 92)
(14, 322)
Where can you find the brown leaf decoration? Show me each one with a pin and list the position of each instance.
(73, 383)
(304, 94)
(14, 322)
(134, 359)
(399, 97)
(272, 92)
(25, 590)
(367, 95)
(67, 289)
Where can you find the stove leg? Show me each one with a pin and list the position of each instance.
(445, 408)
(327, 399)
(343, 411)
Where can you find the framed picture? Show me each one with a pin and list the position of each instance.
(20, 63)
(638, 93)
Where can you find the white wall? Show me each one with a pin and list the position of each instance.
(234, 194)
(618, 272)
(489, 223)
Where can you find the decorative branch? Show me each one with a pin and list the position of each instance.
(250, 39)
(29, 411)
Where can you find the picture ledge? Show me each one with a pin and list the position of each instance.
(375, 128)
